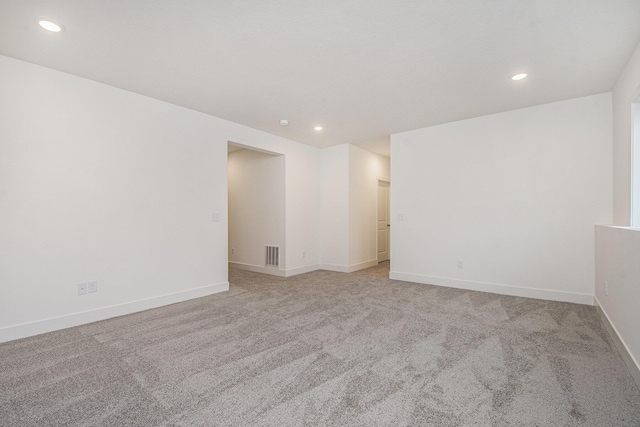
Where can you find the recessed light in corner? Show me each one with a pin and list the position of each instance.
(50, 26)
(519, 76)
(317, 128)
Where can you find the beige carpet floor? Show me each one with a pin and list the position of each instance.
(325, 349)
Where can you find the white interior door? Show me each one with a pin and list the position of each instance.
(383, 221)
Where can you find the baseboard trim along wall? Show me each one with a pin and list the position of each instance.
(349, 268)
(258, 269)
(629, 360)
(301, 270)
(38, 327)
(304, 269)
(494, 288)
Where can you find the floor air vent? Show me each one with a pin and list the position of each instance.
(273, 256)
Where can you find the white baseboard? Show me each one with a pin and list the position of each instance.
(349, 268)
(335, 267)
(517, 291)
(623, 349)
(304, 269)
(301, 270)
(38, 327)
(362, 265)
(258, 269)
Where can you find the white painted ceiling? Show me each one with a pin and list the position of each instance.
(363, 69)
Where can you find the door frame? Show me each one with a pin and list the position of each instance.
(387, 181)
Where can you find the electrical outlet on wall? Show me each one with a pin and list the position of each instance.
(304, 254)
(233, 251)
(460, 263)
(82, 288)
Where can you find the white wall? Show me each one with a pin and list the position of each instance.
(334, 195)
(349, 185)
(625, 92)
(365, 168)
(618, 264)
(618, 249)
(256, 208)
(635, 186)
(97, 183)
(513, 195)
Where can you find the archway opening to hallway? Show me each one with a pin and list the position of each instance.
(256, 209)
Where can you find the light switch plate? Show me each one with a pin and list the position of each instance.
(92, 287)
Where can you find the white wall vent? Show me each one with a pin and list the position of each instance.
(273, 256)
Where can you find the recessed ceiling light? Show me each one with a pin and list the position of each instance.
(519, 76)
(50, 26)
(318, 128)
(284, 122)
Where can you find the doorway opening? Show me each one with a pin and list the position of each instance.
(635, 164)
(256, 209)
(383, 222)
